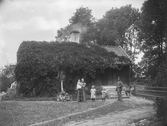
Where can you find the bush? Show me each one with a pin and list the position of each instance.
(160, 79)
(161, 105)
(5, 83)
(38, 64)
(7, 77)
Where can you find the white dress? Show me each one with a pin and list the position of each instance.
(93, 93)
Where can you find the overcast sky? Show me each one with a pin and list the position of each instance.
(40, 19)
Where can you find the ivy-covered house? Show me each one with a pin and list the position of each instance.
(38, 65)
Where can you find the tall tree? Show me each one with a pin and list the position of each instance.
(110, 30)
(153, 33)
(82, 20)
(132, 47)
(114, 24)
(82, 15)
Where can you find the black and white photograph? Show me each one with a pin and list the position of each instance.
(83, 62)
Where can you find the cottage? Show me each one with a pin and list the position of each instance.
(43, 60)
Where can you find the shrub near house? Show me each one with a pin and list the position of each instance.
(39, 62)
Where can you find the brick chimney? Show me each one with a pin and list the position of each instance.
(74, 36)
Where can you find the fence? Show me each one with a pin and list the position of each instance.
(158, 94)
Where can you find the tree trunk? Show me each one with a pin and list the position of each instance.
(62, 86)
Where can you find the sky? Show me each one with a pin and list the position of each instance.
(39, 20)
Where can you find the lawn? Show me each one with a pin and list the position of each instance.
(22, 113)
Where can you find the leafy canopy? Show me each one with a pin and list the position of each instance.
(153, 31)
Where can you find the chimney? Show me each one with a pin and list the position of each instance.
(74, 36)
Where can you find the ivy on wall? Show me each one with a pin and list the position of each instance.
(39, 62)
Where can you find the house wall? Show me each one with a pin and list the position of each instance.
(110, 76)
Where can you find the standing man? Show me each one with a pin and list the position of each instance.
(119, 89)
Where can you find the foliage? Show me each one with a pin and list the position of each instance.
(39, 62)
(112, 27)
(161, 79)
(82, 15)
(7, 77)
(82, 20)
(110, 30)
(161, 105)
(153, 30)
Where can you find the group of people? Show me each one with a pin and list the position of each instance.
(93, 93)
(81, 95)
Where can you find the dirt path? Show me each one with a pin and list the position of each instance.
(117, 119)
(121, 118)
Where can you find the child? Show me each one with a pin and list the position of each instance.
(103, 92)
(128, 90)
(93, 93)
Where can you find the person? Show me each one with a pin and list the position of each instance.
(103, 92)
(83, 84)
(81, 90)
(128, 90)
(93, 93)
(61, 96)
(67, 97)
(119, 89)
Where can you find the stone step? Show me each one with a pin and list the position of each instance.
(111, 92)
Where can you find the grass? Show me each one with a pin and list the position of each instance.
(111, 108)
(23, 113)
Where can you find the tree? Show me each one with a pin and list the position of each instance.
(7, 76)
(153, 31)
(82, 15)
(112, 27)
(132, 47)
(110, 30)
(82, 20)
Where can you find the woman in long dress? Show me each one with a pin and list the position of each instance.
(83, 87)
(81, 90)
